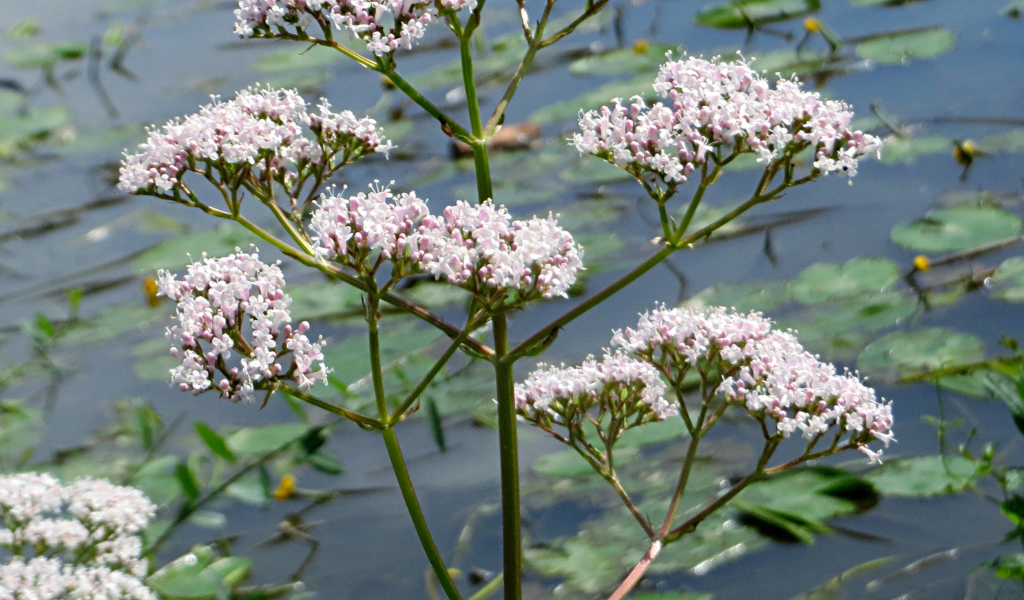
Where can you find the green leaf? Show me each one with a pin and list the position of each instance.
(956, 229)
(188, 481)
(780, 524)
(1008, 280)
(250, 489)
(208, 519)
(260, 440)
(761, 296)
(621, 60)
(115, 322)
(568, 463)
(214, 442)
(894, 48)
(175, 253)
(185, 579)
(882, 2)
(568, 109)
(906, 150)
(322, 299)
(813, 493)
(1009, 391)
(825, 281)
(37, 122)
(230, 570)
(923, 475)
(1013, 10)
(436, 424)
(1008, 141)
(297, 58)
(672, 428)
(151, 425)
(904, 353)
(325, 463)
(739, 14)
(44, 54)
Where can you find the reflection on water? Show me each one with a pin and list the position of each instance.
(123, 64)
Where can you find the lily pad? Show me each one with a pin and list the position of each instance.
(1007, 141)
(1008, 280)
(176, 252)
(621, 60)
(739, 14)
(897, 47)
(923, 475)
(259, 440)
(906, 352)
(44, 54)
(594, 99)
(569, 463)
(825, 281)
(761, 296)
(294, 59)
(956, 229)
(906, 150)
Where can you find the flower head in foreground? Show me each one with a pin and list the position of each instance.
(710, 107)
(765, 370)
(237, 304)
(259, 132)
(385, 25)
(75, 541)
(480, 248)
(351, 230)
(629, 392)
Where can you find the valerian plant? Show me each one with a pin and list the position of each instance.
(234, 333)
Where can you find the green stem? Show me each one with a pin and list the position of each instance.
(457, 130)
(376, 371)
(509, 450)
(684, 477)
(484, 187)
(399, 413)
(416, 512)
(361, 420)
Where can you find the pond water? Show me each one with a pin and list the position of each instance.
(65, 227)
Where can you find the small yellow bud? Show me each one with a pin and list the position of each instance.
(151, 289)
(921, 263)
(641, 46)
(963, 152)
(812, 25)
(287, 488)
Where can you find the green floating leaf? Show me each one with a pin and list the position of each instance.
(560, 111)
(1007, 141)
(175, 253)
(325, 463)
(35, 123)
(214, 442)
(112, 139)
(569, 463)
(199, 575)
(672, 428)
(593, 170)
(44, 54)
(803, 63)
(259, 440)
(894, 48)
(1010, 391)
(187, 479)
(1008, 280)
(923, 475)
(906, 150)
(739, 14)
(1013, 10)
(115, 322)
(621, 60)
(761, 296)
(904, 353)
(839, 329)
(956, 229)
(322, 299)
(294, 59)
(826, 281)
(882, 2)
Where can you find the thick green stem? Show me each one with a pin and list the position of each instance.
(361, 420)
(376, 371)
(416, 512)
(684, 477)
(509, 450)
(484, 187)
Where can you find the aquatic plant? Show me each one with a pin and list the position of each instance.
(266, 144)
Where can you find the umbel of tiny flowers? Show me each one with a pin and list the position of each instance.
(765, 371)
(237, 304)
(260, 137)
(712, 111)
(364, 231)
(384, 25)
(75, 541)
(503, 263)
(608, 397)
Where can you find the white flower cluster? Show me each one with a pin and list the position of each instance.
(237, 303)
(349, 230)
(619, 385)
(768, 371)
(261, 129)
(75, 542)
(480, 248)
(385, 25)
(477, 247)
(713, 104)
